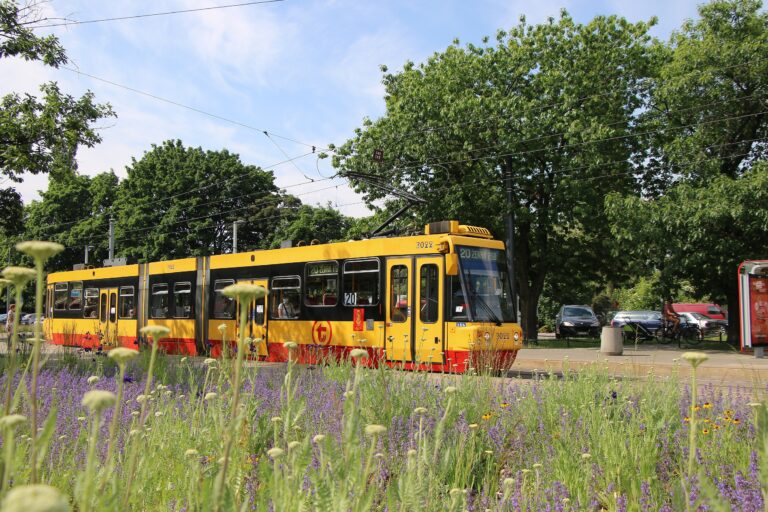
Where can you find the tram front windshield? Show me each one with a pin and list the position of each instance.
(485, 282)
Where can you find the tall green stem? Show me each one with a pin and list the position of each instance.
(36, 362)
(115, 421)
(232, 429)
(9, 440)
(90, 463)
(142, 418)
(692, 428)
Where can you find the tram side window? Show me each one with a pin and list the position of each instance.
(361, 283)
(127, 304)
(223, 306)
(103, 308)
(285, 295)
(459, 306)
(159, 305)
(182, 300)
(321, 279)
(75, 296)
(399, 291)
(60, 296)
(91, 303)
(429, 286)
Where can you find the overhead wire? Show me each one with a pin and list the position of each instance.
(194, 109)
(416, 165)
(428, 164)
(547, 106)
(149, 201)
(150, 15)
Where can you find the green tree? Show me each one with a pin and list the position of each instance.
(178, 202)
(308, 223)
(705, 160)
(39, 135)
(74, 212)
(11, 211)
(554, 105)
(701, 233)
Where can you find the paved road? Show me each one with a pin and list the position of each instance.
(722, 368)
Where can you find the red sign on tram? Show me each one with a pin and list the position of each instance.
(358, 319)
(322, 332)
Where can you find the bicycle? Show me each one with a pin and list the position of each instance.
(682, 333)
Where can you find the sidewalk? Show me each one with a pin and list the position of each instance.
(722, 368)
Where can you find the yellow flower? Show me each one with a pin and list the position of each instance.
(695, 358)
(487, 416)
(39, 251)
(705, 431)
(37, 498)
(707, 405)
(375, 430)
(12, 421)
(686, 420)
(122, 355)
(728, 413)
(735, 421)
(98, 399)
(504, 405)
(19, 276)
(697, 408)
(245, 292)
(155, 331)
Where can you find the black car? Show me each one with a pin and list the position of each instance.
(575, 320)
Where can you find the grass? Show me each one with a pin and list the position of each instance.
(586, 441)
(197, 435)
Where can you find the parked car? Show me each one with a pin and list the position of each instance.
(706, 325)
(709, 310)
(3, 317)
(28, 319)
(651, 320)
(576, 320)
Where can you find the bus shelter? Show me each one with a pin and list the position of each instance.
(753, 304)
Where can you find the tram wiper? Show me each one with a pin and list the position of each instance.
(488, 309)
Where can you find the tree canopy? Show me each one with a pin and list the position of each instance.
(553, 104)
(178, 201)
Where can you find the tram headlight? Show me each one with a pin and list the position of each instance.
(487, 336)
(516, 336)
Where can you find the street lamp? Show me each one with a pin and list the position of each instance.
(234, 234)
(87, 247)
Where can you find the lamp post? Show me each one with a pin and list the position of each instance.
(87, 247)
(234, 234)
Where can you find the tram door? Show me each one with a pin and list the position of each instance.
(428, 335)
(257, 321)
(399, 319)
(108, 316)
(414, 331)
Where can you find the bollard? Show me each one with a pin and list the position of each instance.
(611, 342)
(759, 352)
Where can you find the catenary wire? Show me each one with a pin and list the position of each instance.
(151, 15)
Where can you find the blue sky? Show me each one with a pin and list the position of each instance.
(306, 71)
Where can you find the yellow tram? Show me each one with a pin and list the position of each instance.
(439, 301)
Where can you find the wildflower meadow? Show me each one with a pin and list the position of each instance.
(146, 431)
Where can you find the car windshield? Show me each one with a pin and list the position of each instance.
(578, 312)
(486, 281)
